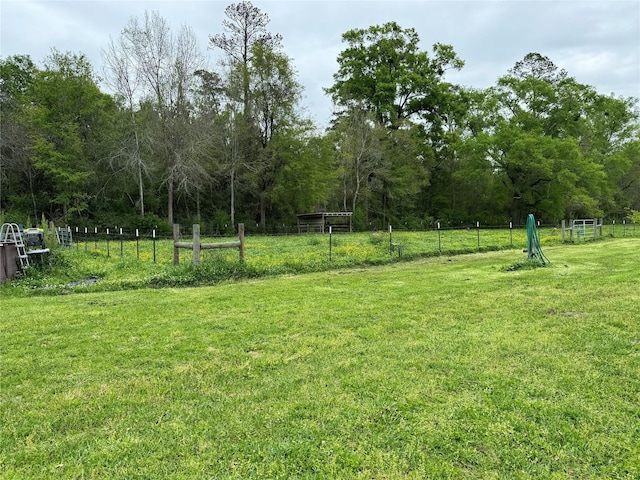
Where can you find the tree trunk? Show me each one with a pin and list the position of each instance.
(138, 160)
(33, 197)
(170, 200)
(344, 199)
(198, 206)
(233, 198)
(140, 190)
(263, 212)
(356, 193)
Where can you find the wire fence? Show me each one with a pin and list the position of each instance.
(149, 246)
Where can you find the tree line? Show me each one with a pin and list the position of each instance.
(177, 142)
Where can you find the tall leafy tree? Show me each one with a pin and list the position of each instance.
(608, 130)
(263, 95)
(125, 79)
(407, 173)
(245, 27)
(305, 174)
(18, 176)
(275, 94)
(462, 183)
(166, 65)
(552, 141)
(66, 117)
(216, 122)
(359, 156)
(627, 176)
(383, 72)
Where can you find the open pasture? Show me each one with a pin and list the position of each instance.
(444, 367)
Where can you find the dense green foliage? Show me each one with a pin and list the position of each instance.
(438, 368)
(173, 142)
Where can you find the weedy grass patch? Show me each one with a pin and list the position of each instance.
(444, 367)
(97, 265)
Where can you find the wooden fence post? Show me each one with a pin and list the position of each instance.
(601, 223)
(196, 244)
(176, 237)
(241, 236)
(571, 227)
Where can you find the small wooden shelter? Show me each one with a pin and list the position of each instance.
(321, 221)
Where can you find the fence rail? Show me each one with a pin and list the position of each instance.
(196, 244)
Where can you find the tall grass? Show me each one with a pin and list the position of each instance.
(95, 264)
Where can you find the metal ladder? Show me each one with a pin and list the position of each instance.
(10, 233)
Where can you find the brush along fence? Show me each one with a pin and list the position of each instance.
(197, 246)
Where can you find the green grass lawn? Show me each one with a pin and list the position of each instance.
(443, 367)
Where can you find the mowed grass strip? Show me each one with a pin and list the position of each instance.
(449, 367)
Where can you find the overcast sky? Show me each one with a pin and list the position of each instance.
(597, 42)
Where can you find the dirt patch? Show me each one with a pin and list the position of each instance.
(85, 282)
